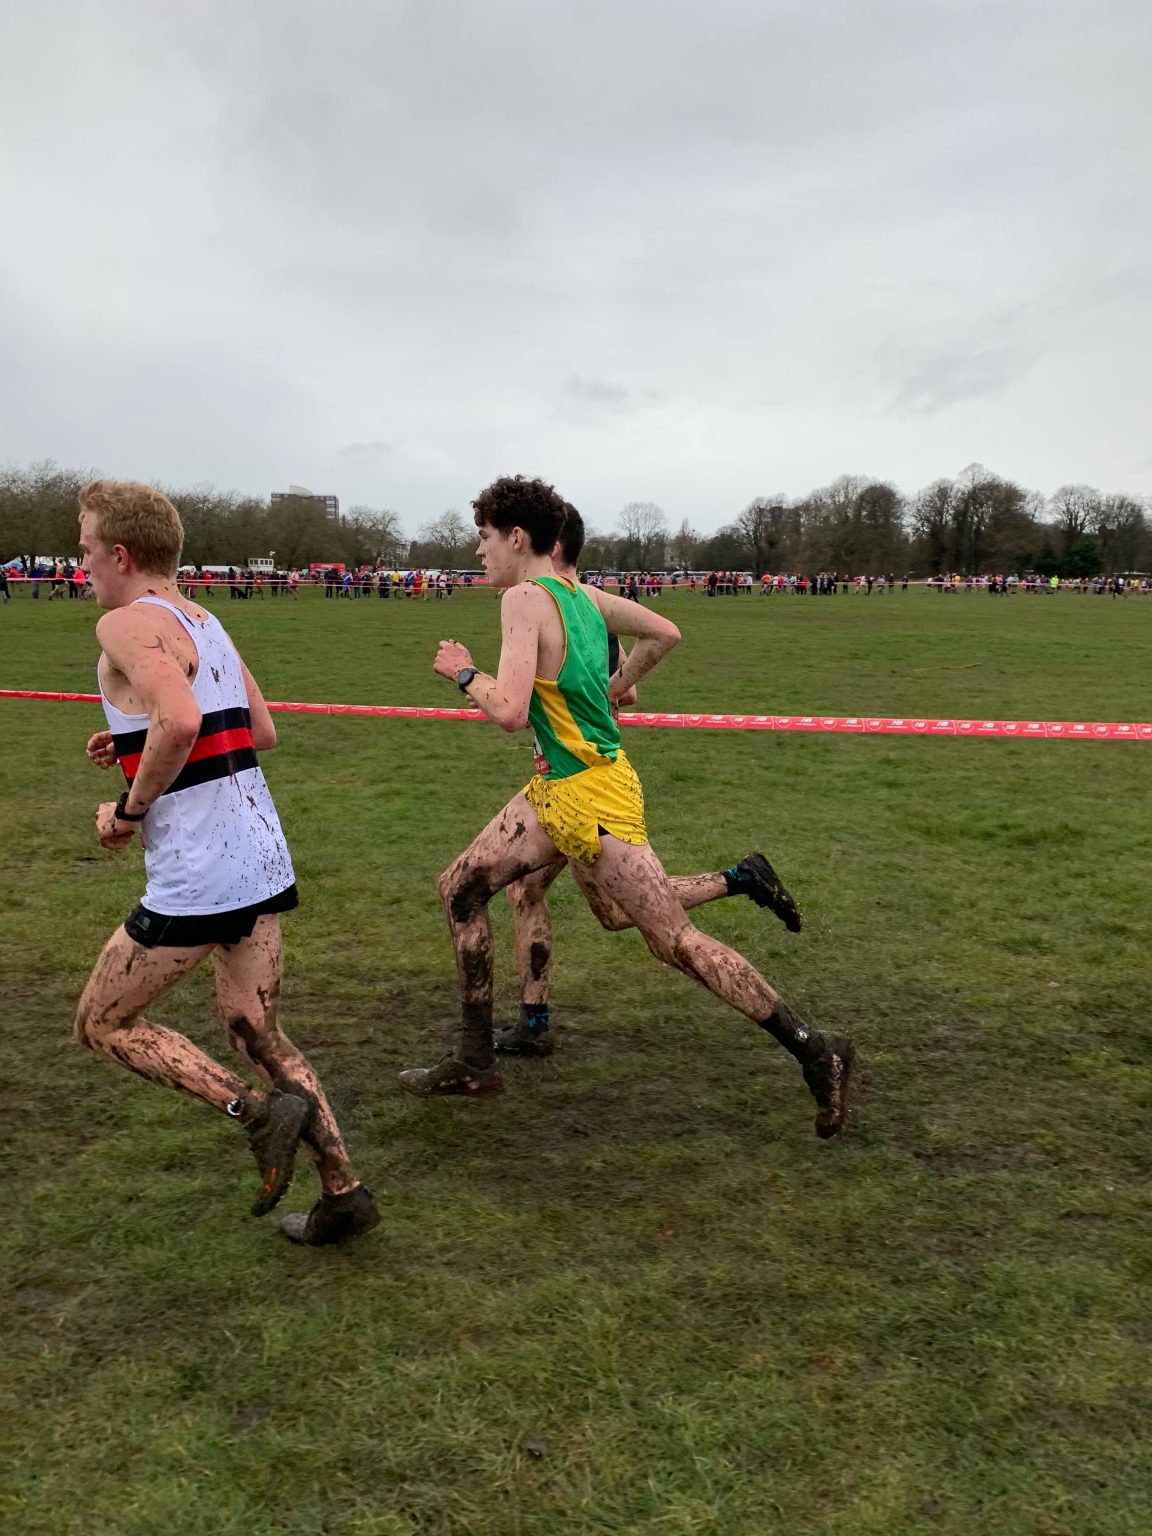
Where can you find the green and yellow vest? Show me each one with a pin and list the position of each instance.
(571, 715)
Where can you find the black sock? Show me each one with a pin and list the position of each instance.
(476, 1048)
(738, 881)
(797, 1038)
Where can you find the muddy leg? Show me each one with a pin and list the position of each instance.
(127, 978)
(531, 1034)
(532, 926)
(248, 976)
(689, 891)
(510, 847)
(633, 878)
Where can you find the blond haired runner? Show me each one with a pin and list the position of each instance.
(185, 721)
(585, 802)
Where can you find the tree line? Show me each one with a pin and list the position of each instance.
(977, 523)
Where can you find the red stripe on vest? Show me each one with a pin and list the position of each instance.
(206, 746)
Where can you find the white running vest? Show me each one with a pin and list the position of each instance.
(212, 841)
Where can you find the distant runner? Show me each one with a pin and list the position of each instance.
(585, 803)
(186, 719)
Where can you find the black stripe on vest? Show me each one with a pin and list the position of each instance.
(216, 720)
(209, 768)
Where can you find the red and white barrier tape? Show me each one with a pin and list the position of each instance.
(864, 725)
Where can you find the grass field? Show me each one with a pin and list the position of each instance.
(634, 1295)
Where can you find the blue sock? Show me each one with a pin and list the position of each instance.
(534, 1017)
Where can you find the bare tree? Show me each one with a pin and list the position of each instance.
(973, 501)
(447, 539)
(644, 532)
(767, 525)
(1074, 509)
(931, 519)
(1121, 527)
(685, 544)
(373, 536)
(599, 553)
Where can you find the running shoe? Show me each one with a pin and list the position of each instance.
(273, 1134)
(829, 1077)
(519, 1040)
(766, 889)
(333, 1219)
(450, 1076)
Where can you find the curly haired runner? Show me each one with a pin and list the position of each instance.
(186, 719)
(585, 804)
(753, 876)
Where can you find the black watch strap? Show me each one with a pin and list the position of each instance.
(122, 814)
(464, 678)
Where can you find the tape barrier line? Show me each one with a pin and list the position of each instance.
(862, 725)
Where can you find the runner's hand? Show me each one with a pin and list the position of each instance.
(101, 749)
(112, 833)
(451, 658)
(617, 692)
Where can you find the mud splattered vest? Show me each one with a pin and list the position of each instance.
(212, 841)
(570, 714)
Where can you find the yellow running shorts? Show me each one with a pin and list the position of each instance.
(573, 810)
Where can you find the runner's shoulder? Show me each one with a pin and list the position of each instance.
(138, 624)
(526, 597)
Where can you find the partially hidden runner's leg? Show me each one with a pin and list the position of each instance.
(532, 930)
(632, 877)
(511, 846)
(127, 978)
(248, 981)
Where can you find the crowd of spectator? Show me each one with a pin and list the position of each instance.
(1003, 586)
(63, 578)
(336, 580)
(58, 578)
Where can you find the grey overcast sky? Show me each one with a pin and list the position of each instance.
(650, 249)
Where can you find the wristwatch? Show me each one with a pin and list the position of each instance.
(464, 678)
(124, 815)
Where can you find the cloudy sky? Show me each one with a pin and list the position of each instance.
(687, 251)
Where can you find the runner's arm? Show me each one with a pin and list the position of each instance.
(505, 697)
(140, 647)
(629, 696)
(655, 637)
(263, 725)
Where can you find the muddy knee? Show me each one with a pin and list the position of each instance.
(255, 1035)
(82, 1027)
(92, 1027)
(464, 891)
(675, 949)
(607, 913)
(613, 921)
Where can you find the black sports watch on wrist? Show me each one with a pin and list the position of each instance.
(122, 814)
(464, 678)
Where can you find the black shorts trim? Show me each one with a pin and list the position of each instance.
(153, 930)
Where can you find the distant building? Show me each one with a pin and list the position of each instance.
(329, 505)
